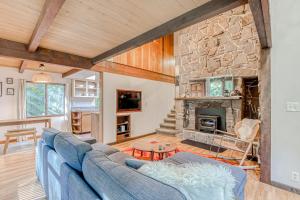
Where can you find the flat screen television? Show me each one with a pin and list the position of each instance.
(128, 100)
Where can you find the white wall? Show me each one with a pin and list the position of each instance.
(8, 104)
(157, 100)
(285, 76)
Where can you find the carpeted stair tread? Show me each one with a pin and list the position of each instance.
(167, 131)
(167, 125)
(171, 115)
(170, 120)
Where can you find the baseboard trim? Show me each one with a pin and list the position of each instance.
(132, 138)
(285, 187)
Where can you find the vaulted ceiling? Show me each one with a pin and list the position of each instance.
(89, 27)
(64, 34)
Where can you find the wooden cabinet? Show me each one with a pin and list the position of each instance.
(86, 123)
(84, 88)
(81, 122)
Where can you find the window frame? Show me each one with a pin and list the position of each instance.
(46, 100)
(223, 79)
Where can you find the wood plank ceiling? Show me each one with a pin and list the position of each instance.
(94, 30)
(91, 27)
(88, 28)
(84, 28)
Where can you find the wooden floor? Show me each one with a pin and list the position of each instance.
(18, 181)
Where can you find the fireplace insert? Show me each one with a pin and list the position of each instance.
(207, 123)
(209, 119)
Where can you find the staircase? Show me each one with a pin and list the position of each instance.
(168, 126)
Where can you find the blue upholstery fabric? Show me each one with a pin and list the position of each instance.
(76, 187)
(119, 157)
(42, 171)
(134, 163)
(71, 149)
(89, 140)
(118, 182)
(104, 148)
(75, 171)
(49, 135)
(238, 173)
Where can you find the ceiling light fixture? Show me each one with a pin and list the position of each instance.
(41, 77)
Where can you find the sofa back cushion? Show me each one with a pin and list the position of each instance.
(102, 174)
(48, 136)
(71, 149)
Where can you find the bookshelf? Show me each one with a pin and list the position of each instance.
(123, 127)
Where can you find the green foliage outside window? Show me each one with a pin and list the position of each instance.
(218, 85)
(35, 99)
(55, 99)
(228, 84)
(44, 99)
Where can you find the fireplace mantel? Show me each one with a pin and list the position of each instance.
(209, 98)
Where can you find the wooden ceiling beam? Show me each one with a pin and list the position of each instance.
(261, 14)
(22, 66)
(70, 72)
(50, 10)
(203, 12)
(116, 68)
(19, 51)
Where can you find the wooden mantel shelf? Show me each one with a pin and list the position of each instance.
(209, 98)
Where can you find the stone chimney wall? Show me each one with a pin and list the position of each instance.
(227, 44)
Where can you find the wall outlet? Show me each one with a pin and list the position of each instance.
(292, 106)
(295, 176)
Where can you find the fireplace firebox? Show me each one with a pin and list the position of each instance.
(207, 123)
(209, 119)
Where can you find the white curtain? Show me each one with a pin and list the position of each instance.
(67, 117)
(21, 105)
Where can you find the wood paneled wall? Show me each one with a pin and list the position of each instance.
(156, 56)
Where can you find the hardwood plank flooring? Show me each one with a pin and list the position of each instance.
(18, 181)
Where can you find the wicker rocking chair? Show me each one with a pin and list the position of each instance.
(244, 136)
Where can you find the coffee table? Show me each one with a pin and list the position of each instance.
(161, 148)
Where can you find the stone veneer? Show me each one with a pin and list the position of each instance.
(232, 107)
(224, 45)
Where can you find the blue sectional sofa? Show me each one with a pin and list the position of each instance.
(71, 169)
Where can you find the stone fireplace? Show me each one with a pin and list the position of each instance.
(228, 110)
(225, 45)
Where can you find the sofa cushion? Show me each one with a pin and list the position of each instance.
(102, 175)
(119, 157)
(135, 163)
(104, 148)
(71, 149)
(89, 140)
(48, 136)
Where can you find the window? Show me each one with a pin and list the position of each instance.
(43, 99)
(218, 85)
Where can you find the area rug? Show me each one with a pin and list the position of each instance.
(146, 155)
(204, 146)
